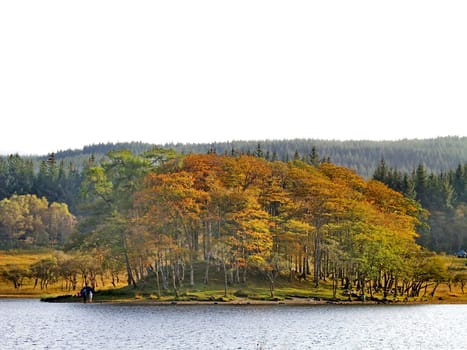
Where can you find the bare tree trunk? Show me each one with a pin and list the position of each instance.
(130, 278)
(141, 268)
(244, 268)
(298, 263)
(163, 275)
(225, 280)
(206, 270)
(174, 282)
(207, 241)
(334, 282)
(271, 284)
(158, 284)
(317, 258)
(434, 289)
(192, 271)
(395, 287)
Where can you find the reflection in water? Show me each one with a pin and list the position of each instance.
(29, 324)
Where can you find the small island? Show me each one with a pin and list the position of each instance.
(166, 228)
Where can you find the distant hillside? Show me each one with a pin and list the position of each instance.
(437, 155)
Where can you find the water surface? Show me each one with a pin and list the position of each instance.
(27, 324)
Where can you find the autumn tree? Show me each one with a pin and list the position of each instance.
(248, 215)
(14, 274)
(27, 219)
(108, 196)
(315, 202)
(44, 272)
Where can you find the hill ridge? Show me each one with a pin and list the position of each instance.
(436, 154)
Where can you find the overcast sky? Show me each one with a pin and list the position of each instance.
(73, 73)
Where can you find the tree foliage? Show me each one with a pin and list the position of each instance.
(159, 214)
(29, 220)
(444, 195)
(245, 214)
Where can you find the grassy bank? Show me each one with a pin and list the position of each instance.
(255, 290)
(249, 294)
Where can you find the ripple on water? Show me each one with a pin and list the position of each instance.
(30, 324)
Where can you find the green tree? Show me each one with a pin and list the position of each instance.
(14, 274)
(44, 272)
(108, 193)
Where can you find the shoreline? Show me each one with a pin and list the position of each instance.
(249, 302)
(245, 302)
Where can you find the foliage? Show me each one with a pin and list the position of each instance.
(445, 197)
(14, 274)
(245, 214)
(29, 220)
(158, 215)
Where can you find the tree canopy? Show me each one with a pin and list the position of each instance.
(248, 214)
(162, 215)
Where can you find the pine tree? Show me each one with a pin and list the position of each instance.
(408, 187)
(296, 156)
(314, 157)
(459, 183)
(274, 156)
(259, 152)
(421, 186)
(381, 172)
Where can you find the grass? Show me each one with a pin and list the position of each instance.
(254, 290)
(23, 258)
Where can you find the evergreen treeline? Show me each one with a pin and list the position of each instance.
(443, 194)
(437, 154)
(363, 156)
(52, 179)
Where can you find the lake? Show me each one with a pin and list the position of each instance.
(27, 324)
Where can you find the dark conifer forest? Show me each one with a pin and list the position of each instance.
(437, 155)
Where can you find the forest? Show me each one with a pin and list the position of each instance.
(176, 219)
(444, 196)
(437, 155)
(430, 171)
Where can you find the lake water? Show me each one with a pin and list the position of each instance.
(30, 324)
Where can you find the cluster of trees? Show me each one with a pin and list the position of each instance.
(37, 201)
(71, 270)
(160, 215)
(58, 176)
(27, 220)
(444, 195)
(47, 178)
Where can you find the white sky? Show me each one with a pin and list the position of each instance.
(74, 73)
